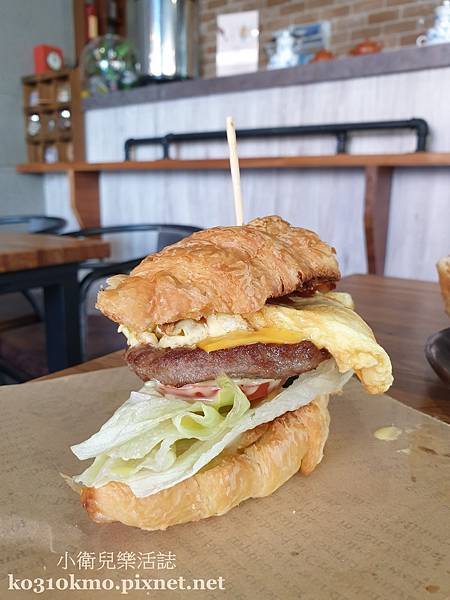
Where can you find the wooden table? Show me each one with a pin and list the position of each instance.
(34, 260)
(402, 313)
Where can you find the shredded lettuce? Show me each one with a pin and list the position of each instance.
(152, 443)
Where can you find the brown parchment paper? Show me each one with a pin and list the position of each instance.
(372, 522)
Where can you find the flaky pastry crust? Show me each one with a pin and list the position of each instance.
(231, 270)
(265, 459)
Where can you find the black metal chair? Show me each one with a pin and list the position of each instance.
(32, 223)
(165, 235)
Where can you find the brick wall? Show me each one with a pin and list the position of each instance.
(395, 23)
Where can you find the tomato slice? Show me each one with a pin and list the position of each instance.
(208, 390)
(189, 391)
(255, 392)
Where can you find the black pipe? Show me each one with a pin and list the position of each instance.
(340, 130)
(342, 138)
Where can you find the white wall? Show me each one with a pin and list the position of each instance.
(24, 24)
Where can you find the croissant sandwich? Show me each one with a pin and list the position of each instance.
(239, 339)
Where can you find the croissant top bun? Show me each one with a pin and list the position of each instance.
(231, 270)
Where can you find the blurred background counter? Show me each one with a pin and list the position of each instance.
(393, 85)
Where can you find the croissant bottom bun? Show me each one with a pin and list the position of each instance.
(262, 460)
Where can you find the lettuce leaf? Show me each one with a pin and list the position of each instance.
(152, 443)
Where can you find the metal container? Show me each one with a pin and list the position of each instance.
(167, 38)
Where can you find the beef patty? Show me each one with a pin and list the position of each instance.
(179, 366)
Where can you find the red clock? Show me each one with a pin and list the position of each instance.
(47, 58)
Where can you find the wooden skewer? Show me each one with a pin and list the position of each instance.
(235, 175)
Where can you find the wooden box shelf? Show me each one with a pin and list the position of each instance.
(54, 123)
(111, 18)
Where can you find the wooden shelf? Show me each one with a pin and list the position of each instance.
(47, 107)
(48, 76)
(340, 161)
(84, 183)
(63, 136)
(106, 24)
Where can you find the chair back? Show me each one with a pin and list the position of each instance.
(153, 237)
(146, 238)
(32, 223)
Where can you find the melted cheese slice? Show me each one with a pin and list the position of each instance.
(266, 335)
